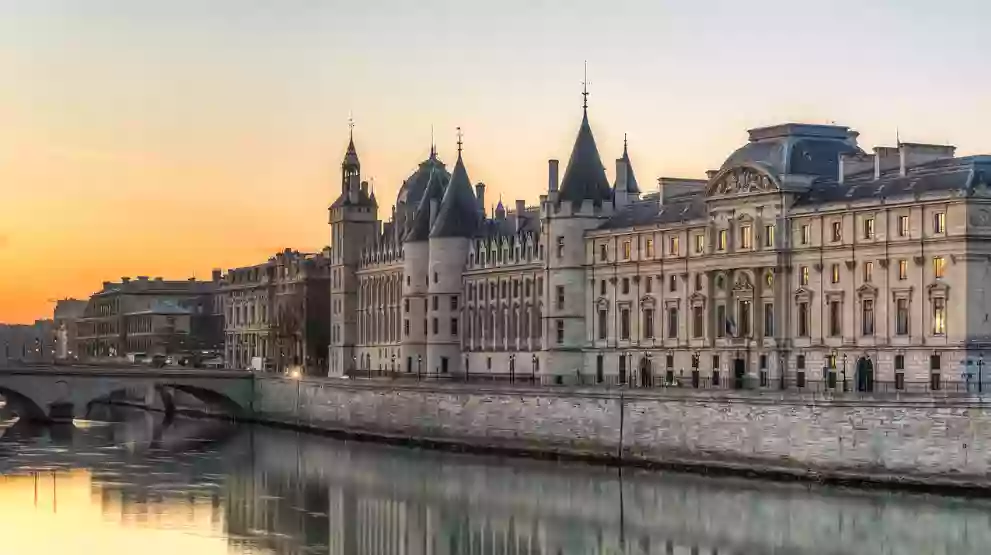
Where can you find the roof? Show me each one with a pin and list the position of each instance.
(434, 188)
(650, 212)
(364, 199)
(796, 148)
(351, 156)
(585, 177)
(411, 191)
(458, 215)
(162, 306)
(506, 227)
(631, 179)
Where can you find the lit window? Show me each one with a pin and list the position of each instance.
(939, 316)
(837, 231)
(746, 237)
(806, 234)
(903, 269)
(721, 240)
(649, 246)
(868, 228)
(804, 275)
(868, 272)
(603, 252)
(939, 222)
(769, 236)
(903, 226)
(626, 250)
(699, 243)
(835, 273)
(939, 267)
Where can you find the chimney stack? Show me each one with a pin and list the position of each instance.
(125, 279)
(885, 158)
(914, 154)
(480, 197)
(216, 275)
(851, 163)
(552, 180)
(353, 190)
(621, 175)
(709, 174)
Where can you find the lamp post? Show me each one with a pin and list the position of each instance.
(512, 367)
(419, 362)
(844, 373)
(980, 373)
(533, 369)
(393, 362)
(781, 370)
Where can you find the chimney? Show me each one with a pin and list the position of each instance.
(217, 274)
(851, 163)
(353, 190)
(914, 154)
(125, 279)
(709, 174)
(480, 197)
(552, 180)
(434, 206)
(106, 285)
(364, 187)
(620, 175)
(142, 278)
(885, 158)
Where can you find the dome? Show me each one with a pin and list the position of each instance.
(795, 148)
(413, 187)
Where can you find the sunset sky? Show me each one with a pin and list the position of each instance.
(166, 138)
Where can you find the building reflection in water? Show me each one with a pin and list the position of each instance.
(203, 487)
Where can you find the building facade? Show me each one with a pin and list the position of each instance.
(150, 316)
(276, 314)
(67, 314)
(27, 343)
(802, 259)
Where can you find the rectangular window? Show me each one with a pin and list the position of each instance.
(560, 247)
(721, 240)
(672, 322)
(939, 266)
(868, 228)
(804, 275)
(624, 323)
(903, 226)
(434, 326)
(901, 317)
(454, 301)
(648, 284)
(699, 243)
(599, 369)
(603, 323)
(769, 235)
(626, 250)
(516, 289)
(768, 320)
(602, 287)
(939, 316)
(721, 320)
(806, 234)
(903, 269)
(405, 305)
(746, 237)
(454, 326)
(649, 246)
(867, 317)
(648, 323)
(560, 297)
(835, 318)
(803, 319)
(526, 288)
(868, 272)
(672, 283)
(540, 286)
(939, 222)
(433, 302)
(698, 282)
(834, 273)
(837, 231)
(744, 313)
(560, 332)
(697, 322)
(626, 286)
(673, 249)
(406, 327)
(899, 363)
(603, 252)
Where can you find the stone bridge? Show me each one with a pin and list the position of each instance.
(44, 393)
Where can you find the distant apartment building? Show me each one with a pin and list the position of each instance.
(27, 343)
(67, 314)
(151, 316)
(276, 314)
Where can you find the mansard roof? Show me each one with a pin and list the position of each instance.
(433, 189)
(585, 177)
(796, 148)
(650, 212)
(459, 214)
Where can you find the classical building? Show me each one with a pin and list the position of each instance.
(802, 259)
(67, 314)
(151, 316)
(277, 313)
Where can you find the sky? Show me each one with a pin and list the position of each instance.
(167, 138)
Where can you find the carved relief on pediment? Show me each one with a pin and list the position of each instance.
(743, 180)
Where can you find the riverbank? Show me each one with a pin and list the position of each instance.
(921, 444)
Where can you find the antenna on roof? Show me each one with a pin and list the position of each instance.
(585, 88)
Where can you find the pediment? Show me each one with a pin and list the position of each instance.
(867, 290)
(745, 179)
(697, 299)
(743, 283)
(938, 289)
(803, 294)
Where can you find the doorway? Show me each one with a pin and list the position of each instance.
(646, 373)
(739, 373)
(865, 375)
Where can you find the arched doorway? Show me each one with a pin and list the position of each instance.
(865, 375)
(646, 372)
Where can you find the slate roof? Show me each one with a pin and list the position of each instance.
(644, 213)
(458, 214)
(506, 227)
(584, 177)
(796, 148)
(434, 188)
(351, 156)
(631, 180)
(364, 199)
(413, 187)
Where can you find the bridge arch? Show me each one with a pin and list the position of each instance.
(22, 405)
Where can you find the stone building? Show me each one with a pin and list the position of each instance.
(67, 314)
(802, 259)
(27, 343)
(151, 316)
(277, 312)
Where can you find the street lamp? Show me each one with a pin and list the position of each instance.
(980, 373)
(533, 369)
(393, 362)
(512, 368)
(419, 361)
(781, 370)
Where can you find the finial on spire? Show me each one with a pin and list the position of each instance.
(624, 144)
(460, 141)
(585, 88)
(898, 140)
(350, 125)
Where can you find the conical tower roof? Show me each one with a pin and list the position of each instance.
(458, 215)
(631, 180)
(585, 177)
(436, 184)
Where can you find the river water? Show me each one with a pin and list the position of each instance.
(132, 483)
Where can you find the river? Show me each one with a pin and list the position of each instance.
(131, 483)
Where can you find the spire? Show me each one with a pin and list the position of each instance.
(458, 215)
(433, 145)
(584, 177)
(631, 180)
(351, 156)
(585, 89)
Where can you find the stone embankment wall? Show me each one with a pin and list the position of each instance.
(932, 442)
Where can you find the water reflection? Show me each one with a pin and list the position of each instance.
(144, 485)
